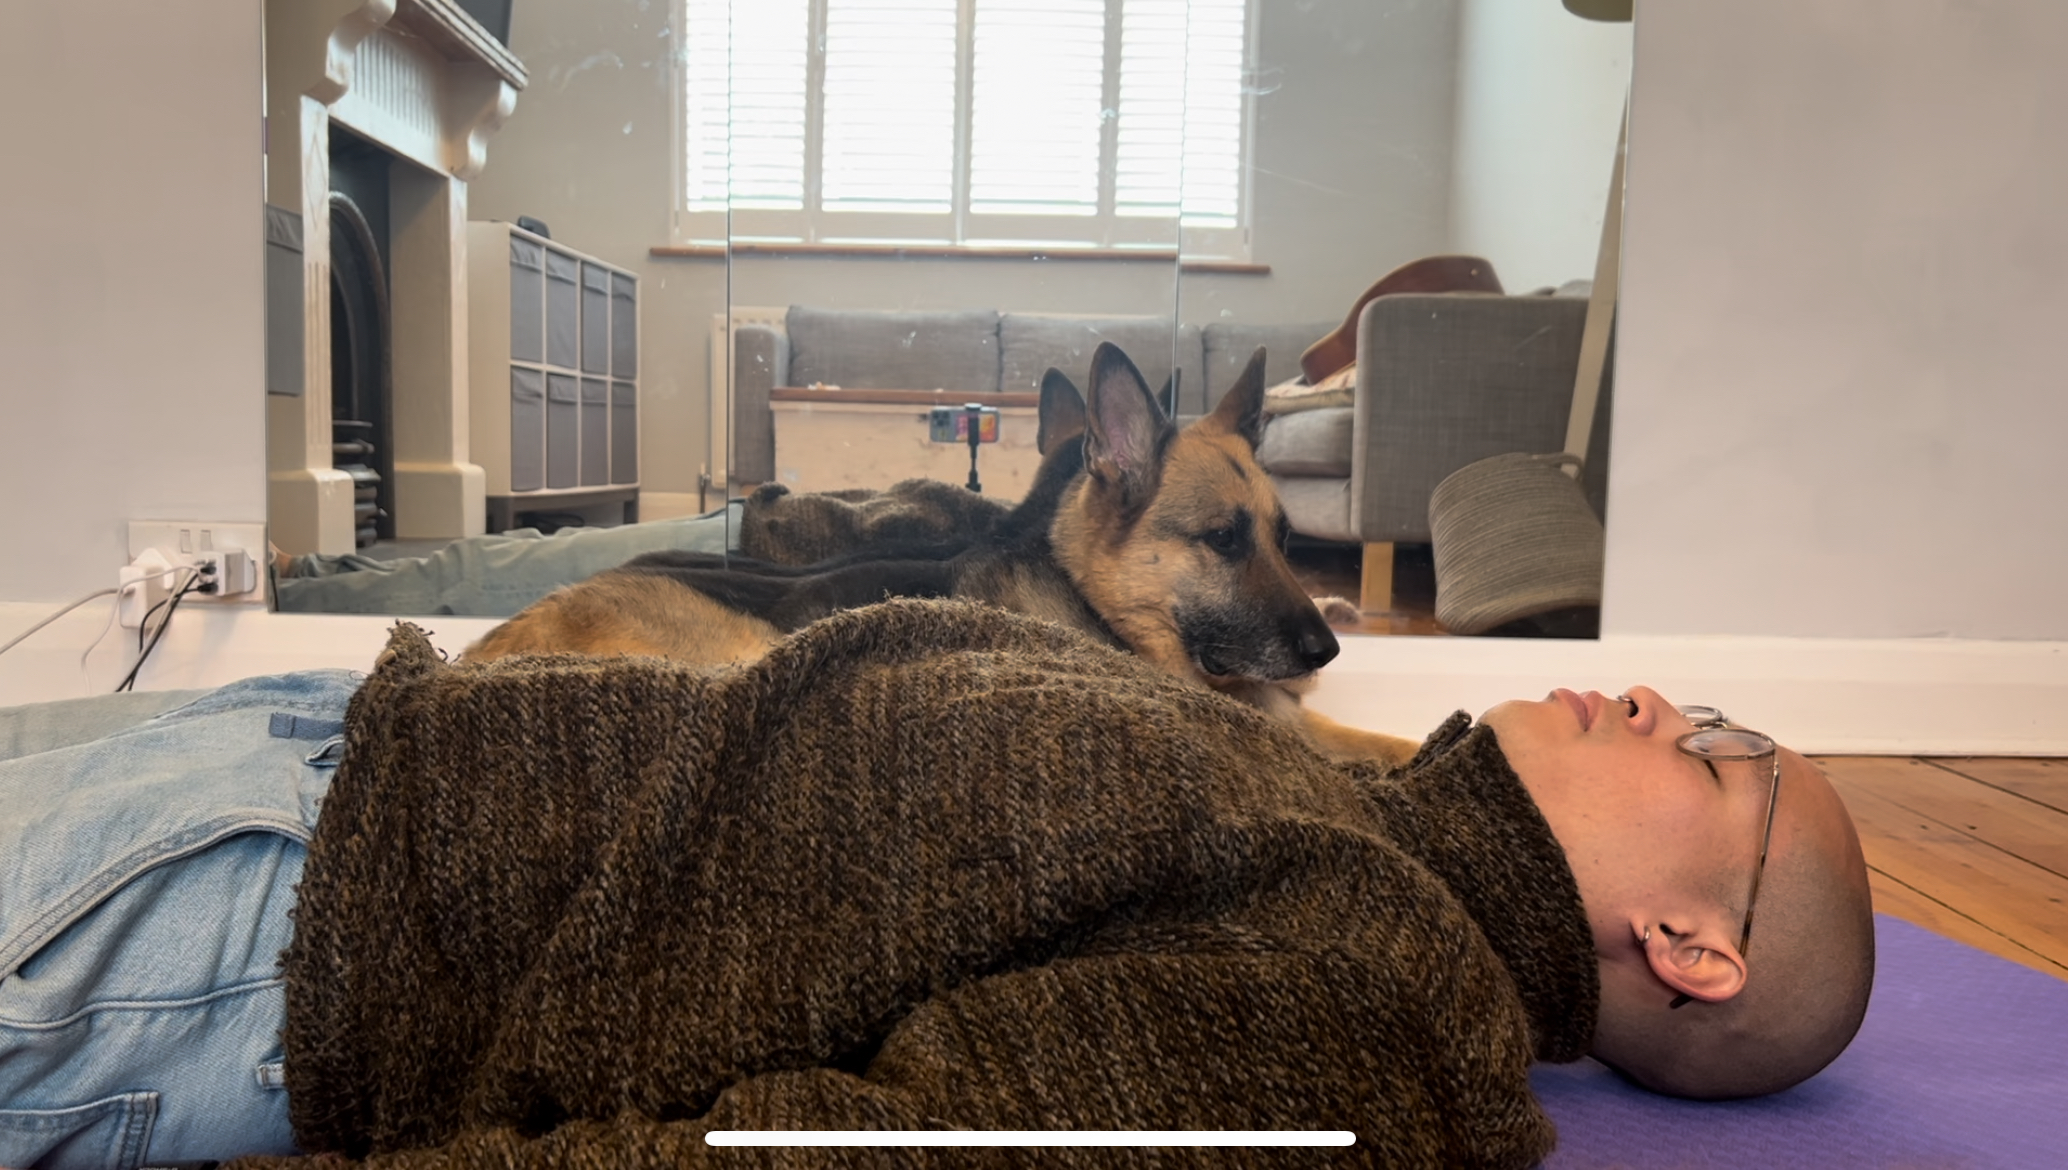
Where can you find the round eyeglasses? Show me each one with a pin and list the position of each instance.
(1714, 740)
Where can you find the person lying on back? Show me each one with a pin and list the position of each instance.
(925, 866)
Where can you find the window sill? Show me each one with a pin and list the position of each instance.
(954, 252)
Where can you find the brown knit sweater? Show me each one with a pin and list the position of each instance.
(927, 865)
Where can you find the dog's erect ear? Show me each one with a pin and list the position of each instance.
(1125, 432)
(1061, 413)
(1241, 409)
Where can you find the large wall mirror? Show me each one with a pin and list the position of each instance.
(758, 251)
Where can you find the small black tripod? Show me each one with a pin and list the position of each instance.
(973, 412)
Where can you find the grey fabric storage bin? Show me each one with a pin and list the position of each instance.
(1310, 442)
(624, 432)
(527, 301)
(595, 432)
(595, 320)
(563, 431)
(1030, 343)
(527, 429)
(563, 309)
(624, 326)
(1228, 347)
(862, 350)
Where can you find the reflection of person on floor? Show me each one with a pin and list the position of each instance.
(484, 576)
(926, 866)
(496, 575)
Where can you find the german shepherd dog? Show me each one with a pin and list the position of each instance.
(1163, 541)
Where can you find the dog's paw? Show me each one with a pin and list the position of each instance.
(1339, 611)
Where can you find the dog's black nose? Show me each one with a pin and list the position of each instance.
(1318, 646)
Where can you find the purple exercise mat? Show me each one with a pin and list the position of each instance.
(1962, 1061)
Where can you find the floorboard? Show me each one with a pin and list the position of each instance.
(2044, 781)
(2025, 829)
(1974, 849)
(1893, 897)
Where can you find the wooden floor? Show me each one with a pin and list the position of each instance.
(1973, 848)
(1334, 570)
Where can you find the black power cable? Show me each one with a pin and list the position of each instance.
(172, 605)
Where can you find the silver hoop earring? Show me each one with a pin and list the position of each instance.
(1647, 934)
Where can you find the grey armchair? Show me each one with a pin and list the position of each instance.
(1443, 380)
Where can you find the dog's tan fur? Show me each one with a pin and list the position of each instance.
(625, 613)
(1140, 543)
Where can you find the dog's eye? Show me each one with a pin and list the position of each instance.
(1225, 539)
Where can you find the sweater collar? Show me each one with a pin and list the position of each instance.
(1460, 809)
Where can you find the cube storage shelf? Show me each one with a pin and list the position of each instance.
(554, 362)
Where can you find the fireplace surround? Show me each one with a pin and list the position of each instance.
(425, 83)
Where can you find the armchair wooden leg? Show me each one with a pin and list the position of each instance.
(1375, 591)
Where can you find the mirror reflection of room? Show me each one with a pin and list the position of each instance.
(796, 243)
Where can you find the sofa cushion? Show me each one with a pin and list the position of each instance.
(1317, 507)
(1227, 348)
(1338, 389)
(1310, 442)
(1032, 342)
(867, 350)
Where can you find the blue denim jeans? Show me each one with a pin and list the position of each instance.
(146, 880)
(490, 576)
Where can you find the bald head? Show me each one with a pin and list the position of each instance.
(1664, 848)
(1808, 968)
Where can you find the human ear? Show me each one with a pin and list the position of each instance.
(1698, 962)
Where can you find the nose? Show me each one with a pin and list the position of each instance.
(1648, 707)
(1317, 646)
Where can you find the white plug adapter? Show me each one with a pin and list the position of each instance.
(143, 583)
(225, 572)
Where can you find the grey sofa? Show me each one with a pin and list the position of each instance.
(1442, 381)
(979, 350)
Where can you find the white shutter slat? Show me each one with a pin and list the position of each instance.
(1216, 34)
(1039, 83)
(745, 103)
(1181, 110)
(889, 131)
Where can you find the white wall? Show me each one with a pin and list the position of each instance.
(1836, 507)
(1839, 397)
(130, 300)
(1540, 97)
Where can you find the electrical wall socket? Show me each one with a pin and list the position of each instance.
(186, 542)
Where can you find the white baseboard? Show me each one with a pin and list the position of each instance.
(1920, 696)
(674, 505)
(203, 648)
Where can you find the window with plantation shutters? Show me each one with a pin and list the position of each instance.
(1093, 123)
